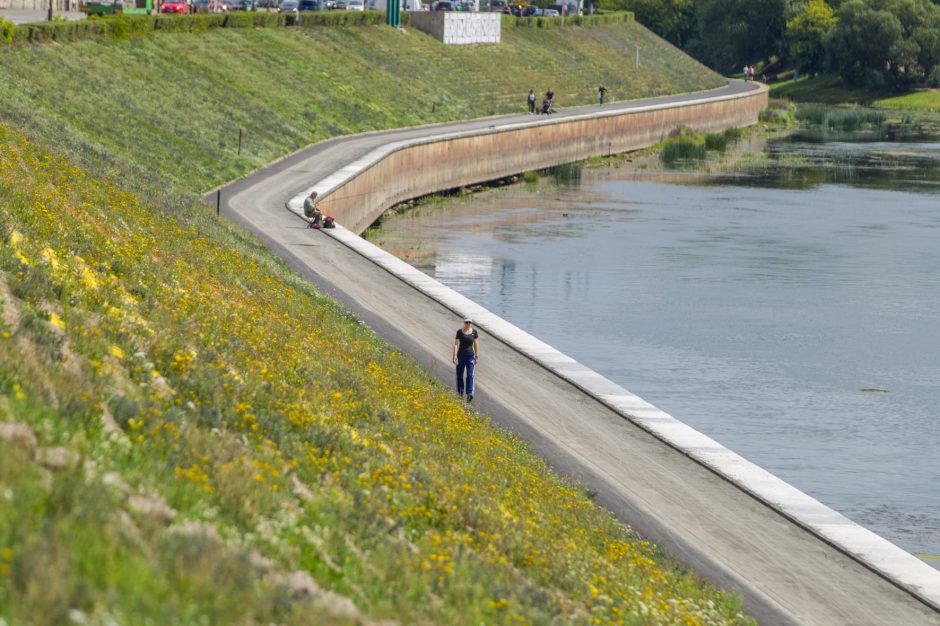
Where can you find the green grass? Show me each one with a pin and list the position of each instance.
(164, 112)
(822, 90)
(926, 100)
(833, 91)
(203, 438)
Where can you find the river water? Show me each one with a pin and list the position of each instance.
(789, 309)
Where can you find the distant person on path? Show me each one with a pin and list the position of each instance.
(601, 92)
(312, 212)
(466, 355)
(750, 72)
(530, 100)
(747, 73)
(548, 104)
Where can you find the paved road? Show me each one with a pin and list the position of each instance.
(786, 574)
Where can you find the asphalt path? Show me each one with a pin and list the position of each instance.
(786, 574)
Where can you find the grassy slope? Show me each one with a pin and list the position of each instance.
(167, 110)
(831, 90)
(214, 442)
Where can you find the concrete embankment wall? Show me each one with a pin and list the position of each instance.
(414, 169)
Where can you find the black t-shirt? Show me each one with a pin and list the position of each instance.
(466, 341)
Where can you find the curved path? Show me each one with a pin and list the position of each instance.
(787, 572)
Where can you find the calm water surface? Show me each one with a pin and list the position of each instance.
(790, 310)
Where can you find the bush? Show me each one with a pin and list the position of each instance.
(172, 23)
(77, 30)
(202, 22)
(778, 112)
(510, 21)
(716, 142)
(840, 118)
(136, 26)
(239, 19)
(6, 32)
(128, 26)
(269, 20)
(683, 148)
(40, 32)
(340, 18)
(733, 134)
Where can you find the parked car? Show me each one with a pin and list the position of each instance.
(241, 5)
(496, 6)
(443, 5)
(339, 5)
(288, 6)
(308, 5)
(356, 5)
(532, 11)
(466, 7)
(550, 13)
(209, 6)
(175, 6)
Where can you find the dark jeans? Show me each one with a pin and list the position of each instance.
(465, 364)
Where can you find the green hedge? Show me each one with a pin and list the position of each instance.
(341, 18)
(510, 21)
(135, 26)
(6, 32)
(171, 23)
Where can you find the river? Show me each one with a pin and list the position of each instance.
(788, 307)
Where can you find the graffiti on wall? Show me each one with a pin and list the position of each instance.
(458, 28)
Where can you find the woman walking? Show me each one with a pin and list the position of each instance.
(465, 357)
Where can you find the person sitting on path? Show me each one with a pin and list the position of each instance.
(466, 355)
(312, 211)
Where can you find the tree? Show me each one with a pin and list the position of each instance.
(673, 20)
(861, 42)
(735, 32)
(886, 42)
(807, 33)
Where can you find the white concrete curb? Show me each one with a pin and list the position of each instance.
(900, 567)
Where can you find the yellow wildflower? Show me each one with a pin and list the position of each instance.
(50, 256)
(57, 321)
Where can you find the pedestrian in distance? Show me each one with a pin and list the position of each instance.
(530, 100)
(312, 211)
(601, 92)
(465, 357)
(747, 71)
